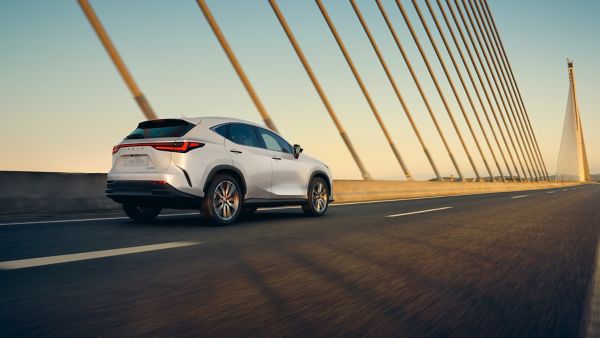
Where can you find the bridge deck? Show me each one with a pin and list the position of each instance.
(491, 264)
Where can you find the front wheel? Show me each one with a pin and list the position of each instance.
(223, 200)
(318, 198)
(141, 214)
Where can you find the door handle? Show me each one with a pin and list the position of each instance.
(277, 158)
(236, 151)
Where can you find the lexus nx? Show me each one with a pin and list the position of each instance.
(222, 166)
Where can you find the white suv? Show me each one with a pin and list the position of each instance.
(221, 166)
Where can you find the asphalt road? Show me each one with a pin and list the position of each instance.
(508, 264)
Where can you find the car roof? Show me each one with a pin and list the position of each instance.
(216, 120)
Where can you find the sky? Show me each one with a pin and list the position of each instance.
(63, 105)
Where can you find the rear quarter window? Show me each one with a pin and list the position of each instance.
(222, 130)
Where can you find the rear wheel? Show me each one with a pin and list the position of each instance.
(141, 214)
(318, 198)
(223, 200)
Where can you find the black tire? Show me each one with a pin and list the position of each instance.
(219, 209)
(318, 198)
(141, 214)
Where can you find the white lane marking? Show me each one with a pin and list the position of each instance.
(281, 208)
(396, 200)
(418, 212)
(520, 196)
(565, 189)
(91, 219)
(41, 261)
(371, 202)
(549, 192)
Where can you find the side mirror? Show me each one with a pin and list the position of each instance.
(297, 150)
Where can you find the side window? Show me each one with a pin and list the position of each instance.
(223, 130)
(243, 134)
(274, 142)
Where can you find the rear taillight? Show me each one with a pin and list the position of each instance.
(177, 147)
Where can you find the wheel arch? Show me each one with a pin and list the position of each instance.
(226, 169)
(324, 176)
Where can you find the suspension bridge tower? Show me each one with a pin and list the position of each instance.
(572, 159)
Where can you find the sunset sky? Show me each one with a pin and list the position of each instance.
(63, 105)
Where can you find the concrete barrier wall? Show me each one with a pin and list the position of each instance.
(36, 192)
(355, 191)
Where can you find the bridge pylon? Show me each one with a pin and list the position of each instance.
(572, 158)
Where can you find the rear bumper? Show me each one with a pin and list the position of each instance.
(151, 193)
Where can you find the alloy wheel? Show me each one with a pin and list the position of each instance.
(320, 197)
(226, 200)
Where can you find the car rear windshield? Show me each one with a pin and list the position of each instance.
(160, 128)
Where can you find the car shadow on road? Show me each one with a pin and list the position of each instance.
(258, 218)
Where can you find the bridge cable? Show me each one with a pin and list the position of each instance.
(453, 87)
(319, 89)
(419, 88)
(212, 22)
(139, 97)
(559, 163)
(437, 86)
(489, 81)
(395, 87)
(475, 61)
(513, 79)
(514, 107)
(363, 88)
(472, 81)
(499, 85)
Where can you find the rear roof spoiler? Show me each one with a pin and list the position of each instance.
(163, 123)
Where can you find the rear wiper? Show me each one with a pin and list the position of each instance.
(134, 136)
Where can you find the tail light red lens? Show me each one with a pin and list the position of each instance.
(176, 147)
